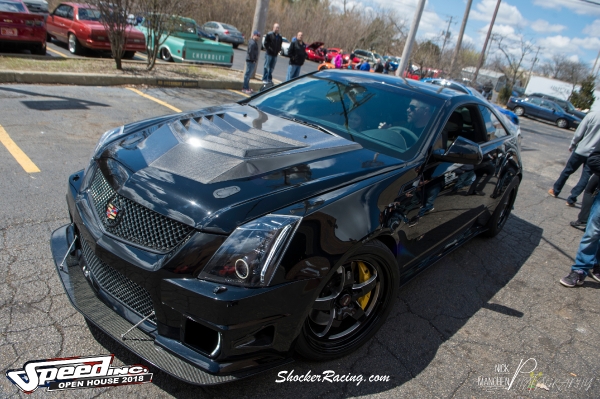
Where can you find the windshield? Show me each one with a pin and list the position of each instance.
(180, 25)
(378, 116)
(88, 14)
(225, 26)
(9, 6)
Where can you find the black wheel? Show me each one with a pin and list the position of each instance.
(236, 45)
(40, 49)
(504, 208)
(48, 38)
(519, 111)
(74, 46)
(165, 54)
(352, 306)
(128, 55)
(562, 123)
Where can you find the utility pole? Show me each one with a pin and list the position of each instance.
(460, 37)
(533, 64)
(595, 62)
(259, 23)
(411, 38)
(446, 36)
(487, 38)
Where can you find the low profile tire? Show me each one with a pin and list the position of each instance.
(127, 55)
(39, 49)
(519, 111)
(48, 38)
(165, 54)
(353, 304)
(236, 45)
(504, 208)
(562, 123)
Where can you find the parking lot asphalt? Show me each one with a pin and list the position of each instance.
(457, 330)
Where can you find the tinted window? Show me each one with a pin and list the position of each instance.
(9, 6)
(535, 101)
(380, 117)
(70, 13)
(493, 126)
(62, 11)
(229, 27)
(88, 14)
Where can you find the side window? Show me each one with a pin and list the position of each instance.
(535, 100)
(70, 13)
(61, 11)
(493, 126)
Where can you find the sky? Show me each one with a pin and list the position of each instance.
(569, 28)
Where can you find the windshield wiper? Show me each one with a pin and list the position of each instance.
(314, 126)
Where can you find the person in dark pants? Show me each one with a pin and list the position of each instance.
(273, 42)
(586, 260)
(297, 54)
(251, 59)
(584, 141)
(591, 190)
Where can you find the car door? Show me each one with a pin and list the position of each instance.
(534, 106)
(446, 212)
(57, 20)
(547, 111)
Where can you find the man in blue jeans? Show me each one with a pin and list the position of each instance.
(273, 42)
(584, 141)
(297, 54)
(586, 260)
(251, 59)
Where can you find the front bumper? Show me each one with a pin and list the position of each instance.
(167, 354)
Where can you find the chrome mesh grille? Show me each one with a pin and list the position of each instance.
(137, 224)
(120, 287)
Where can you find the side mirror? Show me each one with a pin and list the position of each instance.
(462, 151)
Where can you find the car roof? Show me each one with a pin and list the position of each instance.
(442, 92)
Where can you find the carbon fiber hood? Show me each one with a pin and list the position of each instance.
(219, 167)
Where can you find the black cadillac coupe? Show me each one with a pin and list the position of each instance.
(219, 243)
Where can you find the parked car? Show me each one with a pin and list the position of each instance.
(511, 116)
(365, 55)
(234, 236)
(394, 61)
(543, 109)
(204, 34)
(21, 29)
(567, 106)
(79, 26)
(313, 53)
(185, 45)
(333, 51)
(224, 33)
(37, 6)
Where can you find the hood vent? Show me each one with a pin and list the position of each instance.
(231, 137)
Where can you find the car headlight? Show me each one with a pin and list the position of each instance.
(251, 254)
(107, 137)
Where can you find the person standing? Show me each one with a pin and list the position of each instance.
(584, 141)
(365, 66)
(337, 60)
(378, 68)
(591, 190)
(386, 66)
(297, 54)
(273, 42)
(251, 60)
(586, 260)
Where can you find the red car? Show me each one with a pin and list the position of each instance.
(313, 53)
(332, 52)
(21, 29)
(79, 25)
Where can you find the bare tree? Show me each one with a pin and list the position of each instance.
(159, 22)
(514, 52)
(113, 16)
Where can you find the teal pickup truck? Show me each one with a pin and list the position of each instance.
(184, 45)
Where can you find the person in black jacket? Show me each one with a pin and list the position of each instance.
(586, 260)
(273, 42)
(297, 53)
(251, 59)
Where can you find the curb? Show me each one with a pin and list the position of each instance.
(85, 79)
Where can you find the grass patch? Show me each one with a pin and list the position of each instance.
(107, 66)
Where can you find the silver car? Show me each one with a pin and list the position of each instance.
(224, 33)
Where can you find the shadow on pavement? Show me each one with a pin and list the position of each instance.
(429, 310)
(63, 103)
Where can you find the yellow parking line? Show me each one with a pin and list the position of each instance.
(156, 100)
(56, 52)
(238, 92)
(17, 153)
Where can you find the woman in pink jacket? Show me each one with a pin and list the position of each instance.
(337, 61)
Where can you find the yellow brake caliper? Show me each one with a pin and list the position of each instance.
(364, 274)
